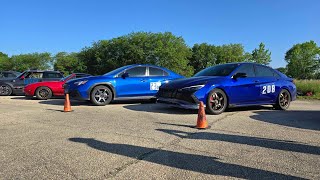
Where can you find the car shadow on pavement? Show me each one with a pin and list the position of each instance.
(184, 161)
(247, 140)
(60, 102)
(297, 119)
(167, 109)
(159, 108)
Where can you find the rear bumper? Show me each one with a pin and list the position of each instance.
(178, 103)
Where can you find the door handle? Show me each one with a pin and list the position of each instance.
(256, 81)
(143, 80)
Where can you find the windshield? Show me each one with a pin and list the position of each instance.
(116, 71)
(65, 78)
(219, 70)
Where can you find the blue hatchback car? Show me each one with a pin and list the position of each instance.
(132, 81)
(230, 85)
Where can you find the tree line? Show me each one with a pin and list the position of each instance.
(163, 49)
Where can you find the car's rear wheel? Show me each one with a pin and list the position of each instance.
(43, 93)
(5, 90)
(283, 101)
(101, 95)
(217, 102)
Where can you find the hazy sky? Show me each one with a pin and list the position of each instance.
(69, 25)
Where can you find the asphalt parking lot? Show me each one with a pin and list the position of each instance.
(140, 140)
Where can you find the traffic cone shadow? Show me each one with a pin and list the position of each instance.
(202, 122)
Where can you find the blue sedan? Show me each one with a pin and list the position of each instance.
(132, 81)
(230, 85)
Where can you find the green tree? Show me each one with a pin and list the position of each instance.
(68, 63)
(23, 62)
(5, 63)
(203, 56)
(303, 60)
(231, 53)
(261, 55)
(162, 49)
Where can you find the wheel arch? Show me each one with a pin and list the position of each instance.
(109, 85)
(222, 89)
(35, 90)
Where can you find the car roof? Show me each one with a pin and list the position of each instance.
(41, 71)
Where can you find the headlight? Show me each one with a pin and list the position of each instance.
(78, 83)
(193, 88)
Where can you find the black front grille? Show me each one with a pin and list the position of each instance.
(176, 94)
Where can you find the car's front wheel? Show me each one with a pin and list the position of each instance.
(5, 90)
(283, 101)
(43, 93)
(101, 95)
(216, 102)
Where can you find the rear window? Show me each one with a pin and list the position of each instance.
(157, 72)
(262, 71)
(52, 75)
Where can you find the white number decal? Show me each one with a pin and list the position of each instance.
(154, 86)
(268, 89)
(264, 90)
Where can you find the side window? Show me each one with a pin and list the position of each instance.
(157, 72)
(10, 75)
(52, 75)
(37, 75)
(136, 72)
(264, 71)
(248, 69)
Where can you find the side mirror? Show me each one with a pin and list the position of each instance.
(125, 75)
(239, 75)
(22, 77)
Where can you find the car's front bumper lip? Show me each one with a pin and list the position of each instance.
(178, 103)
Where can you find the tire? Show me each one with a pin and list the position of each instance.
(5, 90)
(283, 100)
(153, 100)
(101, 95)
(43, 93)
(217, 102)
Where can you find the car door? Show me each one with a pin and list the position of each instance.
(268, 83)
(244, 90)
(132, 82)
(156, 77)
(32, 77)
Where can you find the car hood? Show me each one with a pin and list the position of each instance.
(88, 79)
(193, 81)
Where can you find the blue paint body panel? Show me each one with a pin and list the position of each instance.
(242, 91)
(129, 87)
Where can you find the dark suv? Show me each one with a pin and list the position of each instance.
(8, 74)
(15, 85)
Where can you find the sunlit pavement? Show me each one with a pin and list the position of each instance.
(140, 140)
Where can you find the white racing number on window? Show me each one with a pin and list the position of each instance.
(268, 89)
(154, 86)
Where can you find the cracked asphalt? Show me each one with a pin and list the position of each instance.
(140, 140)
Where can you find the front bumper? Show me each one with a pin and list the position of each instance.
(178, 103)
(75, 93)
(178, 98)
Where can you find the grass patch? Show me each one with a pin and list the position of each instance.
(307, 86)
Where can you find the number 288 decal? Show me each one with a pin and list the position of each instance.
(268, 89)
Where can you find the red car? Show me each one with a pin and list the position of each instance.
(45, 90)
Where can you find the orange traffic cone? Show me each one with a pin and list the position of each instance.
(202, 120)
(67, 106)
